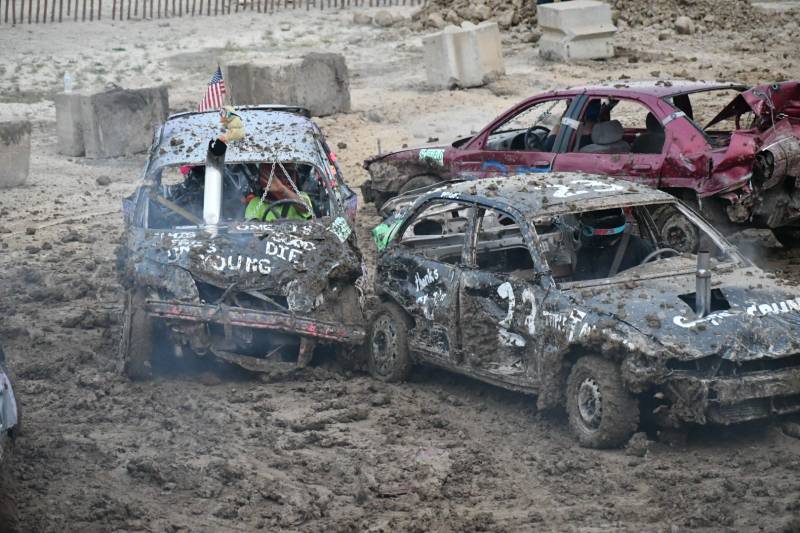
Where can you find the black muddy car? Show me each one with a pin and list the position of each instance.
(213, 265)
(559, 285)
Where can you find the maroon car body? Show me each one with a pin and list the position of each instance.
(741, 168)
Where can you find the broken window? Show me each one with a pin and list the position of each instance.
(180, 197)
(438, 231)
(500, 247)
(533, 130)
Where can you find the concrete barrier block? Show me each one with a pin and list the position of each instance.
(580, 29)
(466, 56)
(15, 152)
(319, 82)
(69, 128)
(121, 121)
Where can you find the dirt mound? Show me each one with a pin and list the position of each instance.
(714, 14)
(438, 13)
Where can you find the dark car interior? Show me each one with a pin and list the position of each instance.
(179, 201)
(610, 126)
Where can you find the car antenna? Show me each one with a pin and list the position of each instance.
(379, 147)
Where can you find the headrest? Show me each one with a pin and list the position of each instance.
(607, 132)
(653, 125)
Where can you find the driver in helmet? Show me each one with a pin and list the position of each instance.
(296, 204)
(607, 246)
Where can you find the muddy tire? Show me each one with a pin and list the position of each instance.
(417, 182)
(676, 231)
(9, 521)
(602, 413)
(136, 346)
(388, 358)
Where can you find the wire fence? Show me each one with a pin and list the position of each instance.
(51, 11)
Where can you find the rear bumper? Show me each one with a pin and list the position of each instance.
(251, 318)
(730, 400)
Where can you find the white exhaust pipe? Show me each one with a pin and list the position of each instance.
(212, 190)
(702, 296)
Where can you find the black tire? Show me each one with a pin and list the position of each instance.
(136, 345)
(789, 237)
(388, 358)
(602, 413)
(676, 231)
(417, 182)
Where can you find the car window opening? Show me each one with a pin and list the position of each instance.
(438, 231)
(243, 193)
(618, 126)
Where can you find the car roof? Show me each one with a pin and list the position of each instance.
(658, 88)
(535, 195)
(279, 133)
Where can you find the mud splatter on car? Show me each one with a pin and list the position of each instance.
(561, 286)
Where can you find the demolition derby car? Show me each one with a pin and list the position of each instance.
(561, 286)
(9, 427)
(739, 164)
(244, 251)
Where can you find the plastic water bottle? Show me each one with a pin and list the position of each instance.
(67, 82)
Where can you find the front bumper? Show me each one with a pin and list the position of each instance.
(366, 191)
(729, 400)
(252, 318)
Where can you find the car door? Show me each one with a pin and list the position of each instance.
(629, 160)
(422, 271)
(499, 300)
(502, 149)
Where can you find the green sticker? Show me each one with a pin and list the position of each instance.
(341, 229)
(434, 155)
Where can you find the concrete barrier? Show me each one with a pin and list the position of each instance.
(69, 127)
(110, 123)
(319, 82)
(15, 152)
(580, 29)
(466, 56)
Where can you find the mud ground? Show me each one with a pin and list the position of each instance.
(324, 449)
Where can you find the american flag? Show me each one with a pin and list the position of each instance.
(215, 94)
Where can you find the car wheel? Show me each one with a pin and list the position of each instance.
(136, 345)
(677, 231)
(789, 237)
(389, 359)
(418, 182)
(602, 413)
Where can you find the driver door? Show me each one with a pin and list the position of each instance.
(505, 150)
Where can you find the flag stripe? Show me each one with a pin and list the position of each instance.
(215, 93)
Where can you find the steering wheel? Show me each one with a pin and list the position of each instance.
(288, 201)
(534, 140)
(656, 253)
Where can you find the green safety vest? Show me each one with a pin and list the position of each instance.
(256, 208)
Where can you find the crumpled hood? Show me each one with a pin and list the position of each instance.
(276, 258)
(763, 320)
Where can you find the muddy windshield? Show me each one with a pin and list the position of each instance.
(621, 242)
(250, 192)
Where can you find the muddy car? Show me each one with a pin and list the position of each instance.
(217, 263)
(561, 286)
(732, 152)
(9, 427)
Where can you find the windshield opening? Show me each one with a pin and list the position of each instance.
(265, 191)
(642, 240)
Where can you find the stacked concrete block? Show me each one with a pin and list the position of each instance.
(319, 82)
(15, 152)
(110, 123)
(466, 56)
(580, 29)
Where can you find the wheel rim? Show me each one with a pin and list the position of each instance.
(679, 233)
(384, 345)
(590, 404)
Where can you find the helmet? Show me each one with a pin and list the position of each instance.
(600, 228)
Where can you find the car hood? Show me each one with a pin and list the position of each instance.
(755, 316)
(409, 153)
(276, 258)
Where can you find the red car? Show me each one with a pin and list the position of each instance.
(738, 163)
